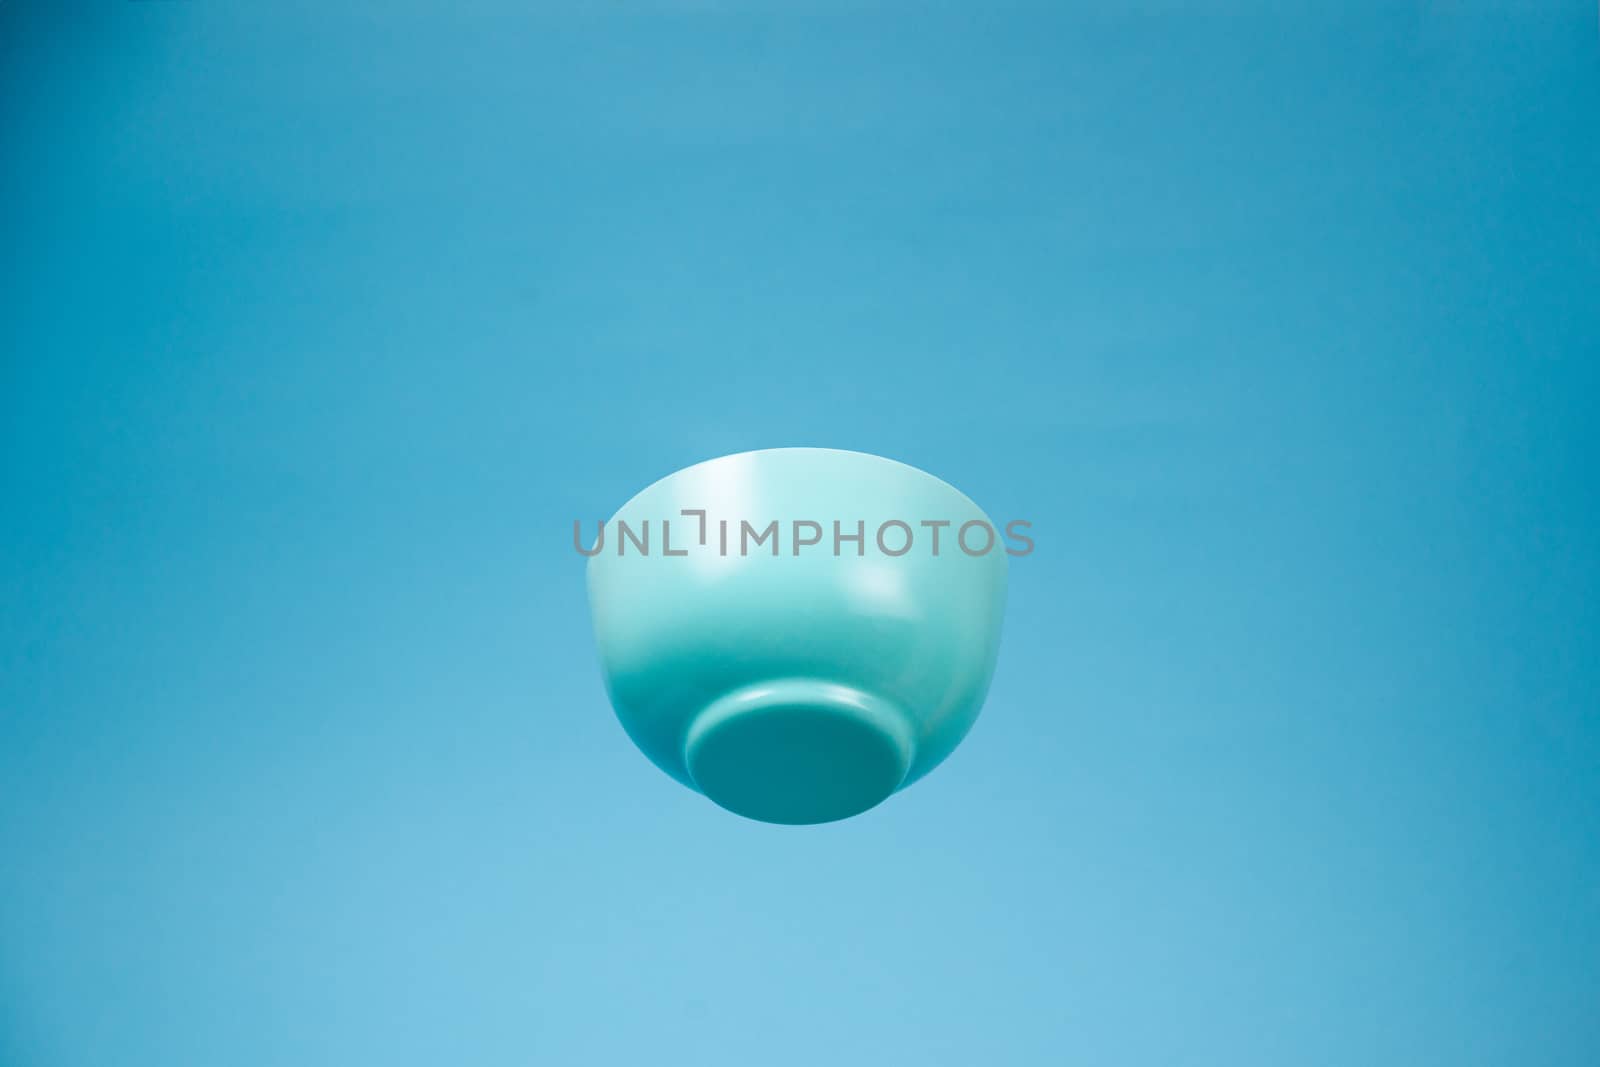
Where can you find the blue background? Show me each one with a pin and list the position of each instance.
(320, 327)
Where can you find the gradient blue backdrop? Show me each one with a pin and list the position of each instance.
(320, 328)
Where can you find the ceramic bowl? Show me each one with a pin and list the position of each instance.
(766, 657)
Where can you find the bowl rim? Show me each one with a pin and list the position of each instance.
(804, 448)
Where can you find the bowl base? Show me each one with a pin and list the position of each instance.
(799, 751)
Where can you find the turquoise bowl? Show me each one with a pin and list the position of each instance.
(764, 656)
